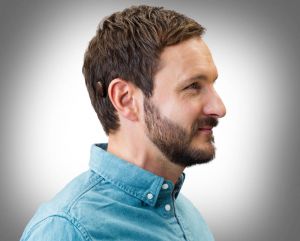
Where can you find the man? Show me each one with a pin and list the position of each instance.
(150, 77)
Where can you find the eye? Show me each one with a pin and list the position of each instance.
(194, 86)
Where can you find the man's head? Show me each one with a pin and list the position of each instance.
(161, 53)
(128, 45)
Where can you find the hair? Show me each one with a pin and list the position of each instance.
(128, 45)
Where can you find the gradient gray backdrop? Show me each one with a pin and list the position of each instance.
(250, 192)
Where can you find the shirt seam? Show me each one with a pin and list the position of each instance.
(185, 228)
(95, 182)
(178, 220)
(84, 234)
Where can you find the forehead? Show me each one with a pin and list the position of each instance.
(186, 60)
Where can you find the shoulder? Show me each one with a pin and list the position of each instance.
(56, 227)
(57, 216)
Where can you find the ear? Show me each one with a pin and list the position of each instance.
(121, 94)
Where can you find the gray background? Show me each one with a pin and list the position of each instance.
(249, 193)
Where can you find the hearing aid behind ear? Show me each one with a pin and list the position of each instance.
(100, 89)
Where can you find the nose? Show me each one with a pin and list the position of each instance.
(214, 105)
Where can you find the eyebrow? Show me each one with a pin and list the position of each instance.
(199, 77)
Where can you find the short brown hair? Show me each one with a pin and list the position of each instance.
(128, 45)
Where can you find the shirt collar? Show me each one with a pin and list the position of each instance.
(130, 178)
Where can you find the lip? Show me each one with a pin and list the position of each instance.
(206, 130)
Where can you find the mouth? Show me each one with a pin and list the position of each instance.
(206, 130)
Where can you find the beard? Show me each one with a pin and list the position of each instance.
(174, 141)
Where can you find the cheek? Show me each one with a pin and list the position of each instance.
(182, 113)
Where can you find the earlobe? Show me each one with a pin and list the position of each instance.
(121, 96)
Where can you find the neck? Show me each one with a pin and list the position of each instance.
(144, 154)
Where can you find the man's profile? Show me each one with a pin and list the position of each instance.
(150, 78)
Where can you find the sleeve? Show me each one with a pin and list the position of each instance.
(55, 228)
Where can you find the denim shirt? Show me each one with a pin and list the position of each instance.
(116, 200)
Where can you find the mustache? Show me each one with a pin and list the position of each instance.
(207, 121)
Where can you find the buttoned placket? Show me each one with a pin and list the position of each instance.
(165, 203)
(167, 206)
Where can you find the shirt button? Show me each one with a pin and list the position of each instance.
(167, 207)
(165, 186)
(149, 195)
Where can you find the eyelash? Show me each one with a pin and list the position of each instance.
(194, 86)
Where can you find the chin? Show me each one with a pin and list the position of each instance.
(203, 144)
(207, 147)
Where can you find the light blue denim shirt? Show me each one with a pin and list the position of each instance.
(116, 200)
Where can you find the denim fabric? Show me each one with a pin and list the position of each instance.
(116, 200)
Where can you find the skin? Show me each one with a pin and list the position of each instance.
(183, 94)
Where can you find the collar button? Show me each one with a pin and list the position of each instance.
(168, 207)
(150, 196)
